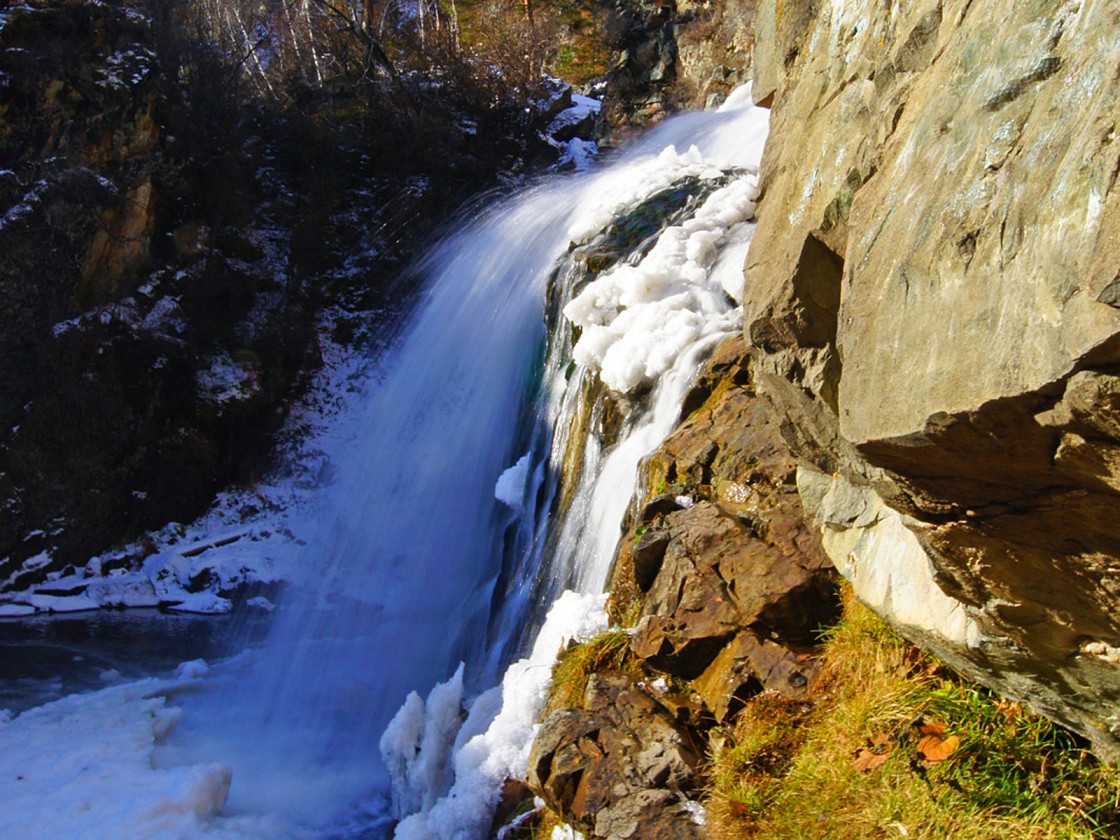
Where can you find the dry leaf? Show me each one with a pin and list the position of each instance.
(934, 748)
(874, 756)
(929, 727)
(867, 760)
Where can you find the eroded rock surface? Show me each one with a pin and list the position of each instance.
(620, 767)
(934, 318)
(729, 580)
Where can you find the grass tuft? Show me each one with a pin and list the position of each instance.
(609, 651)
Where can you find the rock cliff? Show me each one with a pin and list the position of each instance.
(932, 308)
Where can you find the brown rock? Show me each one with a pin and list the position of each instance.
(649, 552)
(748, 664)
(731, 589)
(619, 768)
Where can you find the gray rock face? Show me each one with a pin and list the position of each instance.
(934, 317)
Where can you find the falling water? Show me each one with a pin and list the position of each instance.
(411, 565)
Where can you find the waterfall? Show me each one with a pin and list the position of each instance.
(474, 504)
(645, 324)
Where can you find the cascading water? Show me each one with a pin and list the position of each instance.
(469, 491)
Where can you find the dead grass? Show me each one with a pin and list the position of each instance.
(609, 651)
(791, 770)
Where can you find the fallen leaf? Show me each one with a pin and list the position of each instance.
(929, 727)
(934, 748)
(867, 760)
(875, 755)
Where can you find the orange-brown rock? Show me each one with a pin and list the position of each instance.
(731, 589)
(620, 767)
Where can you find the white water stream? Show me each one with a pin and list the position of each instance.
(411, 564)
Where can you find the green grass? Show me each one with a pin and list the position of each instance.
(606, 652)
(788, 770)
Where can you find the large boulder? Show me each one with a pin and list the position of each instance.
(933, 311)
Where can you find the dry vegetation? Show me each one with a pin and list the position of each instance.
(893, 745)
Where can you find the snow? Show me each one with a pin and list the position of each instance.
(505, 720)
(206, 603)
(565, 832)
(224, 380)
(581, 108)
(126, 68)
(637, 319)
(248, 536)
(103, 783)
(510, 489)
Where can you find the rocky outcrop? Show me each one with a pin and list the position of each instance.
(729, 582)
(673, 55)
(620, 766)
(726, 585)
(933, 316)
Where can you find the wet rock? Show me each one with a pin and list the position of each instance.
(620, 767)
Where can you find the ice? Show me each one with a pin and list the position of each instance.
(204, 603)
(192, 670)
(101, 783)
(510, 489)
(417, 743)
(577, 154)
(501, 750)
(637, 319)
